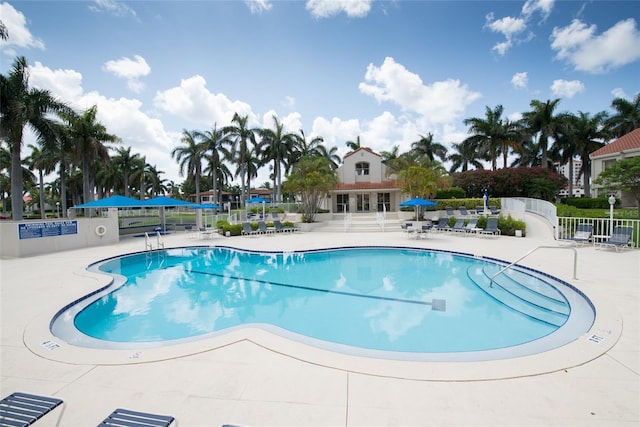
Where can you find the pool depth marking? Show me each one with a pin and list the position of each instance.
(436, 304)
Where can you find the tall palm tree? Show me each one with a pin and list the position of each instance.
(425, 146)
(241, 140)
(589, 135)
(277, 146)
(493, 134)
(189, 158)
(627, 117)
(158, 185)
(542, 121)
(354, 145)
(129, 166)
(305, 147)
(215, 153)
(89, 138)
(464, 154)
(44, 162)
(22, 106)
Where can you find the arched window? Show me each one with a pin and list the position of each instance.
(362, 168)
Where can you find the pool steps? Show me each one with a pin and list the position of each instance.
(516, 291)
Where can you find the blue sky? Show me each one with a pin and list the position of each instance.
(387, 71)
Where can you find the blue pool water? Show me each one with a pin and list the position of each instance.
(380, 299)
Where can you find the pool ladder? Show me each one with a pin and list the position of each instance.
(148, 244)
(575, 261)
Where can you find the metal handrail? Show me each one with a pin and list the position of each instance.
(575, 261)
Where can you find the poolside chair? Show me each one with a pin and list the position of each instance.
(262, 228)
(126, 418)
(442, 225)
(494, 210)
(449, 211)
(23, 409)
(463, 211)
(282, 229)
(458, 226)
(620, 238)
(491, 228)
(471, 226)
(247, 230)
(583, 234)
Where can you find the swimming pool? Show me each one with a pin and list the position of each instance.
(401, 303)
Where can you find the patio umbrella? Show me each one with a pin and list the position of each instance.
(204, 206)
(163, 202)
(257, 199)
(112, 202)
(418, 202)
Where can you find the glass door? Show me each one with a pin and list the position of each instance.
(362, 202)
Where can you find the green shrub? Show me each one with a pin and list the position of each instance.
(589, 202)
(509, 225)
(451, 193)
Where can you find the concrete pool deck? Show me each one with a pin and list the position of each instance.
(268, 381)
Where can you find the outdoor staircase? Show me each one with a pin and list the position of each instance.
(365, 222)
(522, 293)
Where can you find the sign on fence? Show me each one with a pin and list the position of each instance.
(36, 230)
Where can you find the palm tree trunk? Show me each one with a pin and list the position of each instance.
(43, 214)
(63, 189)
(16, 181)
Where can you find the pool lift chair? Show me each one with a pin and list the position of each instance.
(24, 409)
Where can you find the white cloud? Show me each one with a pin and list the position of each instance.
(258, 6)
(619, 93)
(579, 45)
(129, 69)
(19, 34)
(113, 7)
(327, 8)
(515, 28)
(63, 84)
(438, 103)
(566, 88)
(520, 80)
(193, 102)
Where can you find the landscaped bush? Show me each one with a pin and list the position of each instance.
(451, 193)
(589, 202)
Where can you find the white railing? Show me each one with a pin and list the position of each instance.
(347, 221)
(543, 208)
(380, 219)
(601, 227)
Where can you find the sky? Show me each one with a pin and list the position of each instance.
(386, 71)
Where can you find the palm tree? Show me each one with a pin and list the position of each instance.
(307, 148)
(277, 146)
(589, 135)
(627, 117)
(215, 153)
(493, 134)
(88, 138)
(465, 154)
(44, 162)
(239, 137)
(22, 106)
(4, 34)
(157, 184)
(129, 166)
(354, 145)
(189, 158)
(426, 147)
(542, 122)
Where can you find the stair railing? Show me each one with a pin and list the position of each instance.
(575, 261)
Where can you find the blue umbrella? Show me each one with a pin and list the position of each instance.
(256, 199)
(204, 206)
(113, 202)
(417, 202)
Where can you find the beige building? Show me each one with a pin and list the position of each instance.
(363, 185)
(623, 147)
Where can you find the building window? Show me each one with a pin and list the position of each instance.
(362, 168)
(384, 202)
(342, 203)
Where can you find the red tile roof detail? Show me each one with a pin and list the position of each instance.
(630, 141)
(367, 185)
(351, 153)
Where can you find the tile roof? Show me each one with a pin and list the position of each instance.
(367, 185)
(351, 153)
(630, 141)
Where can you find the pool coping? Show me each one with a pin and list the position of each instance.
(601, 337)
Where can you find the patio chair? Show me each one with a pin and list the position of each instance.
(126, 418)
(23, 409)
(620, 238)
(442, 225)
(458, 226)
(449, 211)
(247, 230)
(262, 228)
(471, 226)
(583, 234)
(281, 228)
(463, 211)
(491, 228)
(494, 210)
